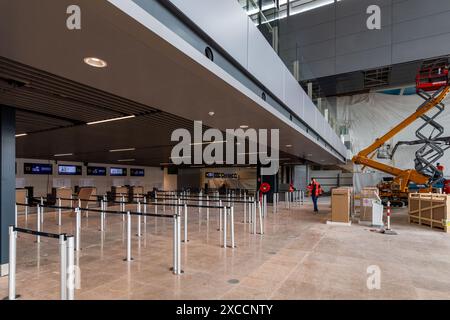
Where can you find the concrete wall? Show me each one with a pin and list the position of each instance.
(334, 39)
(170, 181)
(43, 183)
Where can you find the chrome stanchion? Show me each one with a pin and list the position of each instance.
(63, 266)
(12, 264)
(145, 210)
(185, 222)
(102, 216)
(264, 205)
(15, 216)
(26, 209)
(232, 227)
(220, 215)
(129, 258)
(71, 275)
(261, 226)
(156, 204)
(77, 229)
(175, 244)
(179, 242)
(254, 221)
(224, 226)
(42, 210)
(38, 222)
(122, 205)
(59, 211)
(245, 208)
(139, 234)
(207, 209)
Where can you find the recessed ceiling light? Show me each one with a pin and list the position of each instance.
(21, 135)
(122, 150)
(63, 155)
(126, 160)
(110, 120)
(211, 113)
(95, 62)
(309, 155)
(244, 126)
(289, 146)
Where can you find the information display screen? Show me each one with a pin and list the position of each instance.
(37, 168)
(118, 172)
(137, 172)
(69, 170)
(96, 171)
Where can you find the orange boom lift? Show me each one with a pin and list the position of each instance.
(425, 172)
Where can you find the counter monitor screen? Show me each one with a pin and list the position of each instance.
(37, 168)
(96, 171)
(69, 170)
(118, 172)
(137, 172)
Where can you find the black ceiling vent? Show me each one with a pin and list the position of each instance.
(209, 53)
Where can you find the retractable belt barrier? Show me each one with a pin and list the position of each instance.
(67, 266)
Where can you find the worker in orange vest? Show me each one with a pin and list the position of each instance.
(315, 190)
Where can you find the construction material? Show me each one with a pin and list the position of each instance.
(430, 209)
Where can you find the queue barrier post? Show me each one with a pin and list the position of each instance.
(224, 226)
(63, 265)
(77, 228)
(59, 212)
(12, 264)
(26, 209)
(128, 258)
(42, 210)
(102, 216)
(245, 208)
(71, 275)
(207, 209)
(185, 222)
(139, 233)
(261, 225)
(232, 227)
(175, 244)
(38, 222)
(15, 215)
(145, 210)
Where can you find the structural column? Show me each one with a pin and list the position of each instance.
(7, 181)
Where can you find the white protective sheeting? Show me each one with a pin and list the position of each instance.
(372, 115)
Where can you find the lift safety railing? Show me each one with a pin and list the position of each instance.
(67, 265)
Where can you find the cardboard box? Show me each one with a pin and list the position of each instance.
(341, 205)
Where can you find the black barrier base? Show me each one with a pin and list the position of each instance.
(184, 240)
(171, 269)
(127, 260)
(7, 298)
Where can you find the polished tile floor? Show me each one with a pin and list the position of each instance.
(298, 257)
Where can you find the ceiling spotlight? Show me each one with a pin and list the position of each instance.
(211, 113)
(95, 62)
(289, 146)
(309, 155)
(21, 135)
(244, 126)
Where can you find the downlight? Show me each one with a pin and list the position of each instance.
(95, 62)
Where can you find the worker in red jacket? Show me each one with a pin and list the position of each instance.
(315, 190)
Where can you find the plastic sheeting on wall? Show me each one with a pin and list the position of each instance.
(371, 115)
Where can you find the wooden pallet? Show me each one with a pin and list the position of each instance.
(430, 209)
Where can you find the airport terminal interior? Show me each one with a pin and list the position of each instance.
(224, 150)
